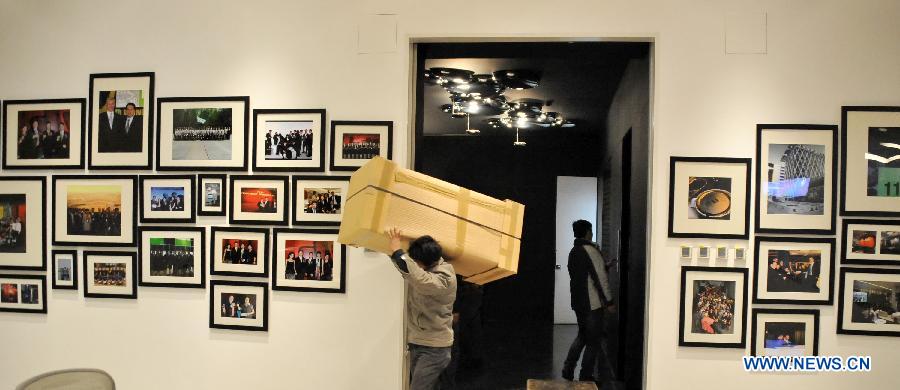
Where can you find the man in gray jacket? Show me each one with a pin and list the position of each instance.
(429, 307)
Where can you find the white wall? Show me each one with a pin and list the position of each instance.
(821, 54)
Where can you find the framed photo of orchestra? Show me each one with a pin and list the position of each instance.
(23, 235)
(258, 200)
(709, 197)
(212, 194)
(353, 143)
(236, 251)
(289, 140)
(172, 256)
(784, 332)
(869, 302)
(110, 274)
(94, 210)
(870, 161)
(23, 293)
(168, 198)
(43, 134)
(65, 269)
(239, 305)
(793, 270)
(870, 241)
(120, 120)
(318, 200)
(713, 307)
(202, 133)
(308, 260)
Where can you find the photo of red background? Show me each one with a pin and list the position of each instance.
(301, 248)
(361, 138)
(250, 197)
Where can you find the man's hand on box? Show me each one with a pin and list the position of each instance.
(394, 235)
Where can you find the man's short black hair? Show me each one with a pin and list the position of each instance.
(132, 105)
(581, 228)
(425, 250)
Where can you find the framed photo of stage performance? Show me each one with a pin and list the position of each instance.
(289, 140)
(870, 161)
(713, 307)
(94, 210)
(120, 120)
(794, 270)
(239, 305)
(23, 293)
(172, 256)
(110, 274)
(784, 332)
(308, 260)
(353, 143)
(65, 269)
(868, 302)
(212, 194)
(23, 235)
(43, 134)
(319, 200)
(239, 251)
(258, 200)
(167, 198)
(709, 197)
(202, 133)
(871, 242)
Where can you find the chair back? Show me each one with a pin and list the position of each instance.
(71, 379)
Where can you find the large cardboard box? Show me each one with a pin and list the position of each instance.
(480, 235)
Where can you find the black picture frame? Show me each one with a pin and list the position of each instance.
(809, 240)
(841, 312)
(149, 115)
(846, 235)
(223, 194)
(321, 144)
(203, 168)
(861, 212)
(673, 162)
(75, 274)
(343, 273)
(213, 308)
(295, 194)
(235, 197)
(144, 179)
(683, 307)
(201, 245)
(134, 221)
(43, 279)
(334, 166)
(80, 149)
(43, 223)
(754, 326)
(86, 255)
(213, 240)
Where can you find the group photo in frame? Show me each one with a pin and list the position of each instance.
(288, 140)
(65, 269)
(239, 305)
(784, 332)
(202, 133)
(239, 251)
(94, 210)
(43, 134)
(795, 174)
(709, 197)
(308, 260)
(212, 194)
(120, 120)
(319, 200)
(869, 302)
(870, 241)
(23, 235)
(172, 256)
(870, 161)
(168, 198)
(713, 307)
(23, 293)
(794, 270)
(353, 143)
(110, 274)
(258, 200)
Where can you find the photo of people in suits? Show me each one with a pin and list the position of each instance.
(43, 134)
(322, 200)
(289, 140)
(12, 223)
(259, 200)
(308, 260)
(239, 251)
(361, 146)
(94, 210)
(121, 122)
(238, 305)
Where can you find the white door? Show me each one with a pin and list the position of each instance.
(576, 198)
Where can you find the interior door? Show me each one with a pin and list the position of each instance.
(576, 198)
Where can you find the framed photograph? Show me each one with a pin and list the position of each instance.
(212, 190)
(795, 172)
(289, 140)
(308, 260)
(65, 269)
(713, 307)
(794, 271)
(869, 302)
(202, 133)
(239, 305)
(94, 210)
(353, 143)
(870, 161)
(110, 274)
(258, 200)
(239, 251)
(23, 293)
(687, 252)
(784, 332)
(168, 198)
(172, 256)
(318, 200)
(43, 134)
(120, 120)
(23, 236)
(870, 241)
(709, 197)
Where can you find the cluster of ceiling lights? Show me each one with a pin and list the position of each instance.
(483, 94)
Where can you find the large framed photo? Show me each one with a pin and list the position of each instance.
(709, 197)
(167, 198)
(713, 307)
(202, 133)
(870, 241)
(95, 210)
(795, 271)
(172, 256)
(869, 302)
(239, 305)
(120, 120)
(23, 293)
(784, 332)
(795, 172)
(308, 260)
(110, 274)
(23, 236)
(212, 194)
(871, 161)
(318, 200)
(239, 251)
(289, 140)
(353, 143)
(43, 134)
(65, 269)
(258, 200)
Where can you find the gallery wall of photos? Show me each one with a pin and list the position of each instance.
(805, 176)
(191, 156)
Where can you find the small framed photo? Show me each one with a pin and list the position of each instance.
(43, 134)
(202, 133)
(709, 197)
(289, 140)
(784, 332)
(65, 269)
(794, 271)
(239, 305)
(110, 274)
(740, 253)
(120, 120)
(713, 307)
(868, 303)
(870, 241)
(172, 256)
(167, 198)
(212, 190)
(702, 252)
(308, 260)
(722, 253)
(258, 200)
(870, 171)
(239, 251)
(94, 210)
(23, 293)
(23, 235)
(687, 251)
(318, 200)
(353, 143)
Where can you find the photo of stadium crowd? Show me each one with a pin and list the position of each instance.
(713, 307)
